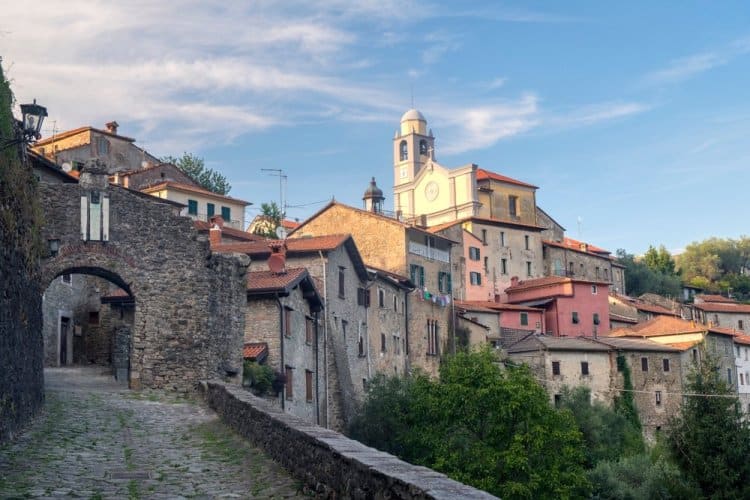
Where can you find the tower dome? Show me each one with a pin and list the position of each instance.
(373, 197)
(412, 114)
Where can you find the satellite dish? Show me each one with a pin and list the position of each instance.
(281, 233)
(67, 167)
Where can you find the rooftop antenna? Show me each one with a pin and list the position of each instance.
(277, 172)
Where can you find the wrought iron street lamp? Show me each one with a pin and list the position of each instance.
(32, 117)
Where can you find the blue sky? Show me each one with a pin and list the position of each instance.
(631, 117)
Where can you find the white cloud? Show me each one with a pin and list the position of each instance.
(593, 114)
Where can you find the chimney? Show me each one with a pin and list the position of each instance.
(277, 259)
(112, 127)
(214, 235)
(514, 281)
(216, 220)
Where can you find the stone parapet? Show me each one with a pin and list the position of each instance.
(334, 465)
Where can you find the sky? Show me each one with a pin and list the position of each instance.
(631, 117)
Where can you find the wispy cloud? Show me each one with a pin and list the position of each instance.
(687, 67)
(597, 113)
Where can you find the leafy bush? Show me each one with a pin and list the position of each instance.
(638, 476)
(259, 377)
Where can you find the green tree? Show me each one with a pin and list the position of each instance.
(660, 260)
(271, 217)
(718, 265)
(607, 434)
(710, 440)
(489, 427)
(640, 476)
(640, 278)
(195, 167)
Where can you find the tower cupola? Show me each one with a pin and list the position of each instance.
(373, 198)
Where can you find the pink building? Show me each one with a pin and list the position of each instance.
(478, 285)
(572, 307)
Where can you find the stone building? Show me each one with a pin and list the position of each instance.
(656, 376)
(402, 249)
(716, 310)
(626, 311)
(742, 364)
(567, 362)
(508, 323)
(573, 258)
(283, 308)
(573, 307)
(73, 148)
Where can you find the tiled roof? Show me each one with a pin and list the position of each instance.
(684, 346)
(483, 220)
(191, 189)
(722, 330)
(496, 306)
(666, 325)
(635, 344)
(575, 245)
(714, 298)
(723, 307)
(483, 175)
(289, 224)
(742, 339)
(474, 307)
(311, 244)
(643, 306)
(258, 281)
(621, 318)
(535, 342)
(70, 133)
(471, 320)
(538, 282)
(255, 351)
(228, 231)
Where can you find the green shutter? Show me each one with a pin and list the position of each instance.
(421, 276)
(226, 214)
(450, 285)
(210, 208)
(192, 207)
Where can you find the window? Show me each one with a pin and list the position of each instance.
(361, 347)
(695, 355)
(574, 317)
(473, 253)
(308, 386)
(422, 147)
(94, 318)
(192, 207)
(342, 282)
(571, 271)
(287, 322)
(102, 146)
(381, 297)
(502, 238)
(504, 266)
(486, 265)
(363, 297)
(416, 273)
(382, 342)
(403, 149)
(657, 395)
(524, 319)
(344, 324)
(484, 236)
(67, 279)
(226, 214)
(584, 367)
(558, 400)
(309, 330)
(555, 368)
(606, 274)
(528, 268)
(729, 376)
(740, 325)
(596, 318)
(742, 379)
(594, 290)
(665, 364)
(432, 337)
(644, 364)
(738, 351)
(210, 209)
(526, 241)
(444, 282)
(395, 302)
(288, 384)
(475, 278)
(513, 206)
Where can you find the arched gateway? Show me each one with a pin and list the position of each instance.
(189, 303)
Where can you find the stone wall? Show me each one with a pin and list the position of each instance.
(189, 317)
(331, 464)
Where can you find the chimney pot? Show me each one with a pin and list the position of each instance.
(112, 127)
(217, 220)
(214, 235)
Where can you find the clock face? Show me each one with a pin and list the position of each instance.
(403, 172)
(431, 191)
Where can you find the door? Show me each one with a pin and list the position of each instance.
(64, 333)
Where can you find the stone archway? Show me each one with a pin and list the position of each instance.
(189, 321)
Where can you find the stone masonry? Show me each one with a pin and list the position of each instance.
(189, 319)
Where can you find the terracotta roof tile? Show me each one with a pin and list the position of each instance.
(714, 298)
(255, 351)
(635, 344)
(301, 245)
(667, 325)
(684, 346)
(269, 280)
(723, 330)
(723, 307)
(494, 306)
(742, 339)
(192, 189)
(483, 174)
(228, 231)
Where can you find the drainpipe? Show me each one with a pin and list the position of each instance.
(324, 261)
(317, 371)
(281, 344)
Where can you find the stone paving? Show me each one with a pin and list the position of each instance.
(96, 439)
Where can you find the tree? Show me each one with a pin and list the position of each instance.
(718, 265)
(482, 425)
(710, 440)
(195, 167)
(640, 278)
(270, 219)
(660, 260)
(640, 476)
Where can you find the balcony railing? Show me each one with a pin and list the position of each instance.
(429, 252)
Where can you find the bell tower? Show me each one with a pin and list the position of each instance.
(413, 146)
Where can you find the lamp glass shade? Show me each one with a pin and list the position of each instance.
(33, 117)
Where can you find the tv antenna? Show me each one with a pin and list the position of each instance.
(277, 172)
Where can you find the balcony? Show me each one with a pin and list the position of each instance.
(429, 252)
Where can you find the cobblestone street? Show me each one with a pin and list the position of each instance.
(96, 439)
